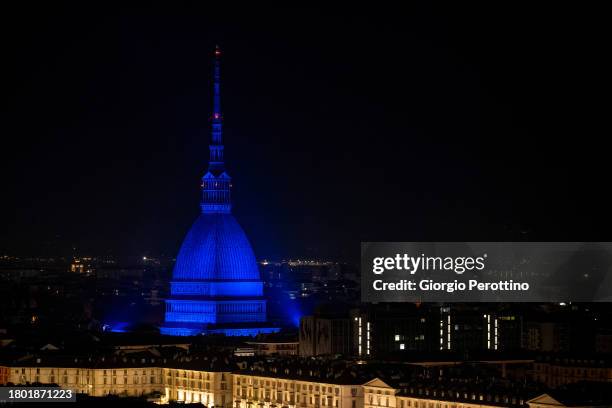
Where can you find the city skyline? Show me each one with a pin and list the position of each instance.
(357, 207)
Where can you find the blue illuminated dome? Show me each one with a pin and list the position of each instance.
(216, 287)
(216, 248)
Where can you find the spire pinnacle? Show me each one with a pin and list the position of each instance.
(216, 183)
(217, 85)
(216, 146)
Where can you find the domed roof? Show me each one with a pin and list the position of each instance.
(216, 248)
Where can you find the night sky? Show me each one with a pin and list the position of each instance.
(340, 126)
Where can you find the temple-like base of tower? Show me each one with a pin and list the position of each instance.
(227, 330)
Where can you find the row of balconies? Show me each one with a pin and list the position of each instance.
(318, 402)
(85, 381)
(278, 404)
(276, 400)
(291, 394)
(275, 388)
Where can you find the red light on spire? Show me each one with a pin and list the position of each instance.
(217, 51)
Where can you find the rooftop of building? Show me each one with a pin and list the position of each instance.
(165, 357)
(486, 391)
(398, 375)
(424, 357)
(308, 369)
(275, 338)
(592, 360)
(581, 394)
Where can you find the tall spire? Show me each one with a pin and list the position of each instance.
(216, 146)
(216, 182)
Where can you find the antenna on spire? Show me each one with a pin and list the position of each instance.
(216, 183)
(217, 94)
(216, 145)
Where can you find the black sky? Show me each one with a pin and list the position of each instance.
(341, 125)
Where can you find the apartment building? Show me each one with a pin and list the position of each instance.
(557, 370)
(440, 394)
(218, 382)
(186, 378)
(295, 385)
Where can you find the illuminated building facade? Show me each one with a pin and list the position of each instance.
(209, 386)
(133, 379)
(216, 285)
(295, 388)
(378, 393)
(290, 383)
(81, 265)
(4, 374)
